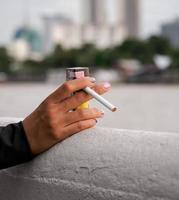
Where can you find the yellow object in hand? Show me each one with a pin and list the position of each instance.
(83, 106)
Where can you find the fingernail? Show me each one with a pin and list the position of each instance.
(92, 79)
(107, 85)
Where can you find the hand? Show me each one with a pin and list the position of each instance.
(52, 122)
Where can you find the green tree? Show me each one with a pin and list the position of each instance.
(159, 45)
(5, 60)
(60, 58)
(134, 49)
(89, 55)
(32, 66)
(175, 59)
(105, 57)
(86, 55)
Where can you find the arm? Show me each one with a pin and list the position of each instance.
(14, 148)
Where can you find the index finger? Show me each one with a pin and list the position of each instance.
(70, 87)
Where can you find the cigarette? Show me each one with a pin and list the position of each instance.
(99, 98)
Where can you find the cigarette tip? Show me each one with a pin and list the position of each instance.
(114, 109)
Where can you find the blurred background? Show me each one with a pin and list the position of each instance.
(133, 44)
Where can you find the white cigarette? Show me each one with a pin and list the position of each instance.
(99, 98)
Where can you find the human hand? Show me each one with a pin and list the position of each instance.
(52, 122)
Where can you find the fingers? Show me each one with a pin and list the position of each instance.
(69, 87)
(81, 97)
(78, 126)
(82, 114)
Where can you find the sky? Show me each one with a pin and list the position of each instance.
(153, 13)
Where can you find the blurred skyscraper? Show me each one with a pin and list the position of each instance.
(171, 31)
(52, 29)
(94, 12)
(128, 16)
(94, 27)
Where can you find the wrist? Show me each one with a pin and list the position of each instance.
(31, 132)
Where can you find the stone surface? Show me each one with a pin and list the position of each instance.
(99, 164)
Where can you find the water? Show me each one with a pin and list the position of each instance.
(141, 107)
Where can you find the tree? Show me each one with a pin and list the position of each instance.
(61, 58)
(32, 66)
(89, 55)
(135, 49)
(105, 57)
(5, 60)
(175, 59)
(159, 45)
(86, 55)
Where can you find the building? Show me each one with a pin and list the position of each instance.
(53, 24)
(59, 30)
(128, 16)
(26, 44)
(171, 32)
(94, 12)
(94, 28)
(68, 35)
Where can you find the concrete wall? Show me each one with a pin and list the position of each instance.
(99, 164)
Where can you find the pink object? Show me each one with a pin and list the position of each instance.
(107, 85)
(80, 74)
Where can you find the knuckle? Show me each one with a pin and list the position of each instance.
(67, 87)
(80, 125)
(86, 81)
(84, 125)
(91, 123)
(94, 111)
(100, 89)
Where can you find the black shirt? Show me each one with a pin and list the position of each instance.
(14, 147)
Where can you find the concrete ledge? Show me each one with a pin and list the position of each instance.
(99, 164)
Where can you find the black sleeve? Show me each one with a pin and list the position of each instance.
(14, 147)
